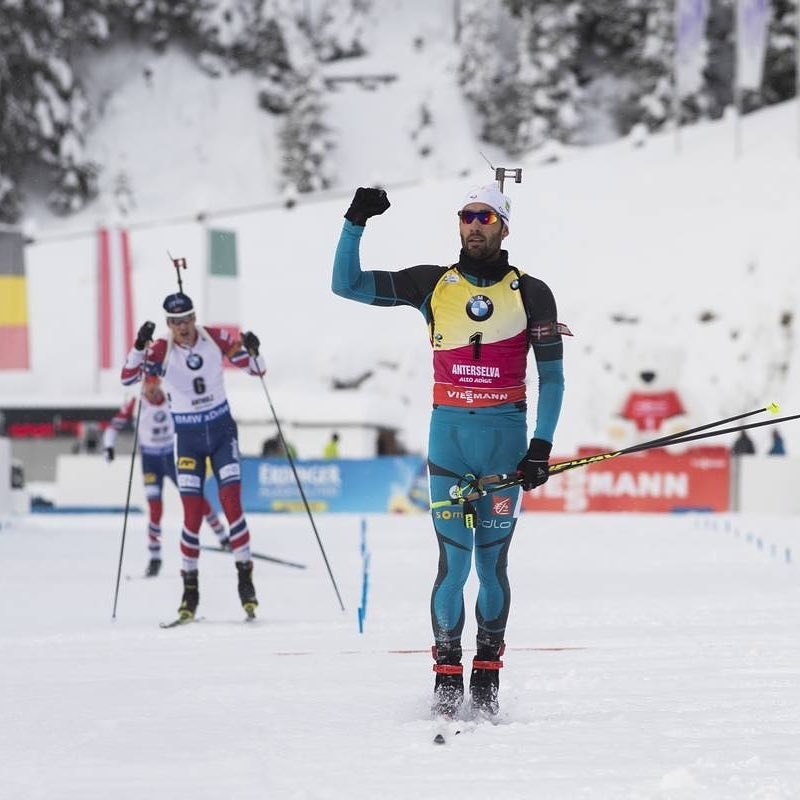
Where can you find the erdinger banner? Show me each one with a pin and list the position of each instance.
(396, 484)
(649, 481)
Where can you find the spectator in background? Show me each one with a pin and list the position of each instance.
(88, 439)
(777, 448)
(331, 449)
(743, 446)
(273, 448)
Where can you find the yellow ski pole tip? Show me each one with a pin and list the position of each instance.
(773, 408)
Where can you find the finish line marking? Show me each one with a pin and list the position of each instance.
(426, 651)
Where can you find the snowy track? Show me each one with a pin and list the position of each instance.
(648, 657)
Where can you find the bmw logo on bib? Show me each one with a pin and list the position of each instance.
(479, 308)
(194, 361)
(160, 416)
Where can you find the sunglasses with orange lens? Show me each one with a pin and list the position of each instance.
(484, 217)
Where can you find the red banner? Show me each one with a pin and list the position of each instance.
(651, 481)
(114, 297)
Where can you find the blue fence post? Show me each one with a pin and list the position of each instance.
(362, 609)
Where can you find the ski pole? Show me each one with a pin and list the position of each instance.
(676, 438)
(259, 556)
(663, 441)
(300, 487)
(493, 483)
(738, 428)
(128, 497)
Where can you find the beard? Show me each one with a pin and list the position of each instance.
(482, 246)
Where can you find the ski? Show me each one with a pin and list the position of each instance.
(179, 621)
(442, 737)
(256, 556)
(446, 728)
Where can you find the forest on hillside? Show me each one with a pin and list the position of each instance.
(531, 71)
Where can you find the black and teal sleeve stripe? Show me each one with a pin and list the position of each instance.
(406, 287)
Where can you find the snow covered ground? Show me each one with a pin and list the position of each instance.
(648, 657)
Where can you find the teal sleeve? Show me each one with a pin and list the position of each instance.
(551, 393)
(348, 279)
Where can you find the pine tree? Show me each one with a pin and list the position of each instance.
(337, 30)
(652, 99)
(163, 20)
(519, 71)
(305, 140)
(781, 62)
(546, 92)
(481, 59)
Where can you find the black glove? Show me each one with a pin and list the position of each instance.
(533, 466)
(366, 203)
(145, 335)
(251, 343)
(109, 454)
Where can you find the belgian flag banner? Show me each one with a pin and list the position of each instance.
(14, 352)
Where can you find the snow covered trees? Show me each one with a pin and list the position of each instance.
(44, 115)
(519, 71)
(43, 111)
(539, 70)
(533, 72)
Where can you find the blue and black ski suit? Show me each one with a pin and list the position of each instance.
(482, 319)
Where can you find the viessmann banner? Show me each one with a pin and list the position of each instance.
(650, 481)
(375, 485)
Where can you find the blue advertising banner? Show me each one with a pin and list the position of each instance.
(373, 485)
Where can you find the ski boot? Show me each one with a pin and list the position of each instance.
(484, 682)
(153, 568)
(448, 690)
(191, 595)
(247, 592)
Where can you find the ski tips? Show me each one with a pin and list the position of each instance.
(773, 408)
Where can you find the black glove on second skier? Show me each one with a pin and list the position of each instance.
(533, 466)
(145, 335)
(251, 342)
(366, 203)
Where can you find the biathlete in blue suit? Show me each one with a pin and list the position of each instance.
(483, 316)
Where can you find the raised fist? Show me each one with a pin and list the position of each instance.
(366, 203)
